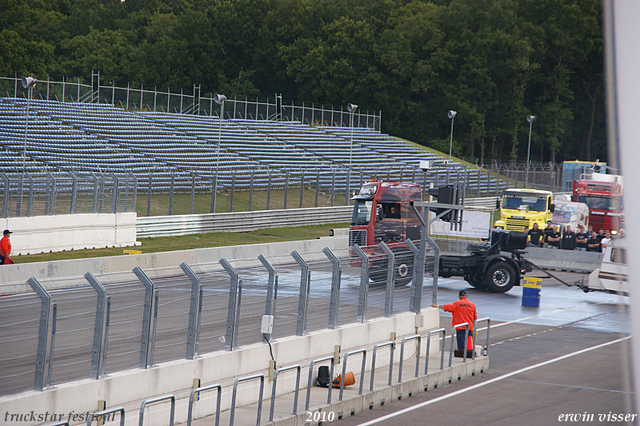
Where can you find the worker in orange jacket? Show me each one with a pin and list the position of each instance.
(463, 311)
(5, 248)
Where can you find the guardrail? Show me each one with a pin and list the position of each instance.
(165, 226)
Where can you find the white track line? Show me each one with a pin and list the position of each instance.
(488, 382)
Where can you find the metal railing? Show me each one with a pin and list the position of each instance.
(136, 97)
(197, 391)
(406, 339)
(275, 383)
(234, 395)
(170, 398)
(454, 335)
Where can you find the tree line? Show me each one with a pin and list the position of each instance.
(492, 61)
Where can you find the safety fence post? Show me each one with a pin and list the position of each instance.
(233, 313)
(303, 298)
(406, 339)
(454, 336)
(106, 338)
(273, 389)
(235, 391)
(192, 399)
(426, 362)
(43, 332)
(364, 283)
(327, 358)
(116, 187)
(475, 327)
(336, 278)
(54, 322)
(172, 413)
(344, 371)
(52, 196)
(391, 266)
(146, 316)
(192, 336)
(272, 292)
(7, 194)
(392, 346)
(74, 193)
(98, 329)
(101, 414)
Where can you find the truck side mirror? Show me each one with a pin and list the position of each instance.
(552, 207)
(498, 203)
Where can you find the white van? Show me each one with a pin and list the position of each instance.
(568, 213)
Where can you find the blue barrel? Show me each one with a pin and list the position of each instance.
(531, 292)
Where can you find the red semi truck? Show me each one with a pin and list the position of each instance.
(382, 212)
(604, 198)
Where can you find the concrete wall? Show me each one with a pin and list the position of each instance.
(44, 234)
(130, 387)
(14, 277)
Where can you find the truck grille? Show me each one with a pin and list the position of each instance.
(517, 224)
(358, 237)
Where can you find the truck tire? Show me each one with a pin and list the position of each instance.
(500, 277)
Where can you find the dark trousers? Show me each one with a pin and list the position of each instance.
(461, 340)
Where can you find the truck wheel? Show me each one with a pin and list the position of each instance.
(403, 267)
(500, 277)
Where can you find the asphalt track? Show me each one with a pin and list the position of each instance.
(566, 361)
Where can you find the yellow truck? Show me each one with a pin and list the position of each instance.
(524, 207)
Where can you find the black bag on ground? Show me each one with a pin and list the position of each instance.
(323, 378)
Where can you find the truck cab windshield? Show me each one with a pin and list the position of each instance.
(524, 202)
(361, 212)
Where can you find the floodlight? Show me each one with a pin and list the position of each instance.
(219, 99)
(28, 82)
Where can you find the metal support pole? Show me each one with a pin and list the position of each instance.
(98, 328)
(193, 309)
(52, 348)
(43, 331)
(391, 265)
(171, 188)
(270, 305)
(364, 284)
(336, 277)
(234, 307)
(116, 188)
(74, 193)
(107, 323)
(146, 316)
(303, 298)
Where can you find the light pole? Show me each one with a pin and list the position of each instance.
(530, 120)
(219, 99)
(352, 109)
(452, 115)
(28, 83)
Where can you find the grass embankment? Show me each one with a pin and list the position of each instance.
(216, 239)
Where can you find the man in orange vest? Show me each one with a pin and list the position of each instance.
(5, 248)
(463, 311)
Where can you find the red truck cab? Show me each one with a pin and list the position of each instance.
(382, 213)
(604, 200)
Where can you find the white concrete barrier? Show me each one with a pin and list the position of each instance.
(13, 278)
(132, 386)
(44, 234)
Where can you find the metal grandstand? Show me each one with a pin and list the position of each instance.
(156, 150)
